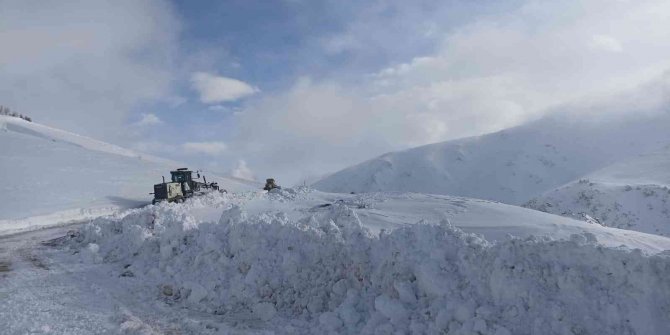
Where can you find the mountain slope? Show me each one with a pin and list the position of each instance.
(50, 176)
(632, 194)
(510, 166)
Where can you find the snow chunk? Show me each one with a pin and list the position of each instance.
(264, 311)
(391, 309)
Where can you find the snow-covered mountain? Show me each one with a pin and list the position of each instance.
(631, 194)
(50, 176)
(301, 261)
(513, 165)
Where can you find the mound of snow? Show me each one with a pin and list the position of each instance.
(307, 262)
(512, 166)
(632, 194)
(52, 176)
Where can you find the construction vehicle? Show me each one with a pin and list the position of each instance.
(271, 185)
(182, 186)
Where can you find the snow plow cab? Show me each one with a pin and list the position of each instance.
(184, 177)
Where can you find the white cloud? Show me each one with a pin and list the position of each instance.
(207, 148)
(175, 101)
(607, 43)
(89, 62)
(340, 43)
(214, 89)
(148, 119)
(217, 108)
(242, 171)
(223, 108)
(504, 69)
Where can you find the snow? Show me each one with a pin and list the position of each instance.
(19, 126)
(650, 168)
(43, 292)
(514, 165)
(631, 194)
(300, 261)
(53, 176)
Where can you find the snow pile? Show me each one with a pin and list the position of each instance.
(288, 194)
(325, 272)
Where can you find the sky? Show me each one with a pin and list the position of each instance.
(298, 89)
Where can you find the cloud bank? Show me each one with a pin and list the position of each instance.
(213, 89)
(207, 148)
(148, 120)
(498, 71)
(85, 65)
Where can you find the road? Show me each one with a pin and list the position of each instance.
(46, 289)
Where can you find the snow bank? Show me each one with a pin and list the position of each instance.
(326, 273)
(14, 226)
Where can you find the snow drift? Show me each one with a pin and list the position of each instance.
(52, 176)
(306, 262)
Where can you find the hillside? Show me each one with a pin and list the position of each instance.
(512, 166)
(631, 194)
(51, 176)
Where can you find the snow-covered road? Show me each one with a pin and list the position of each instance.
(39, 295)
(42, 292)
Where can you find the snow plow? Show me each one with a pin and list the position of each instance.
(270, 185)
(182, 186)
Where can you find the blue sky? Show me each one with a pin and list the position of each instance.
(274, 44)
(297, 89)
